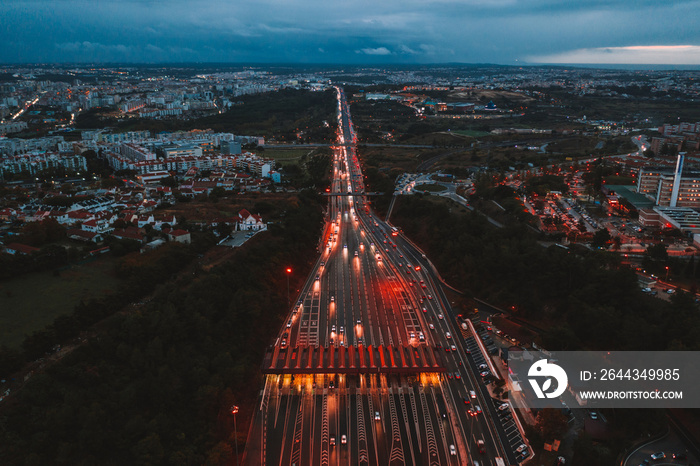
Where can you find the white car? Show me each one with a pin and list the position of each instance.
(453, 452)
(376, 416)
(344, 439)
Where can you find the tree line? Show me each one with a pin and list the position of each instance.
(154, 386)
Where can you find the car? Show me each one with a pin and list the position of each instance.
(481, 446)
(504, 407)
(483, 367)
(359, 322)
(679, 456)
(449, 375)
(431, 326)
(345, 246)
(658, 456)
(521, 448)
(485, 373)
(332, 441)
(356, 254)
(458, 375)
(376, 416)
(289, 324)
(467, 401)
(430, 296)
(593, 415)
(342, 329)
(453, 347)
(453, 452)
(332, 299)
(318, 277)
(440, 316)
(472, 393)
(412, 335)
(471, 412)
(344, 439)
(448, 335)
(670, 291)
(477, 409)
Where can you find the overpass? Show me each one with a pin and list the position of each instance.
(354, 193)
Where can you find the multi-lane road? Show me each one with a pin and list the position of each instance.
(371, 293)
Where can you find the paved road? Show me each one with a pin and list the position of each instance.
(370, 287)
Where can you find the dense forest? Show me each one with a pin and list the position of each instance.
(286, 115)
(578, 298)
(583, 299)
(154, 385)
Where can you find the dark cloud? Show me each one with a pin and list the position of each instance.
(496, 31)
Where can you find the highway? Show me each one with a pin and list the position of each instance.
(371, 366)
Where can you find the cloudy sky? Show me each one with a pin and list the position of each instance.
(351, 31)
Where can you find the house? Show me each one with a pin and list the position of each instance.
(164, 219)
(75, 216)
(59, 216)
(7, 214)
(180, 236)
(17, 248)
(248, 221)
(83, 235)
(131, 233)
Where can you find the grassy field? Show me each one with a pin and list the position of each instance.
(284, 156)
(32, 302)
(471, 133)
(432, 188)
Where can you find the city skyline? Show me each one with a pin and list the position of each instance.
(508, 32)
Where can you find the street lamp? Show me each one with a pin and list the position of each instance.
(289, 272)
(667, 273)
(234, 411)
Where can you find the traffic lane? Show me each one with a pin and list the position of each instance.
(445, 327)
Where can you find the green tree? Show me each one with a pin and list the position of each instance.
(551, 423)
(601, 238)
(657, 252)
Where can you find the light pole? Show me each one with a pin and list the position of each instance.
(289, 272)
(234, 411)
(667, 273)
